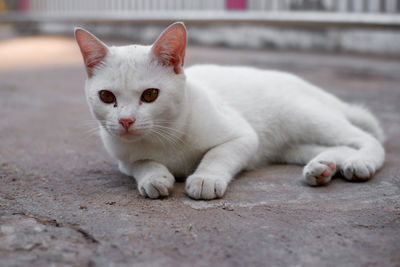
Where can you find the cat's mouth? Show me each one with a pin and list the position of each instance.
(131, 134)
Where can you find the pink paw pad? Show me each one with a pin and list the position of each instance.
(328, 173)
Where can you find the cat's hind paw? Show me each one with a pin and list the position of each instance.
(319, 172)
(205, 187)
(156, 186)
(357, 170)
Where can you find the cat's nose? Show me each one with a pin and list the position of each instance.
(126, 123)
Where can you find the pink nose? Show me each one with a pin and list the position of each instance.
(126, 123)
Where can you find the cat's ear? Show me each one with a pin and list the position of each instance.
(93, 50)
(169, 48)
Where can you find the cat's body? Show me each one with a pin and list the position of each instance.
(283, 109)
(210, 122)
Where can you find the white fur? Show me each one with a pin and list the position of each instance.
(211, 122)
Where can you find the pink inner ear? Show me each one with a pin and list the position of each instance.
(170, 47)
(93, 50)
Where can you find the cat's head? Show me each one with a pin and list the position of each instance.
(135, 91)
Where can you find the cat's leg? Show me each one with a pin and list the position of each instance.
(153, 179)
(321, 162)
(366, 154)
(219, 165)
(321, 168)
(369, 156)
(357, 154)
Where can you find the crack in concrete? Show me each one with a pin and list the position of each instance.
(87, 236)
(53, 222)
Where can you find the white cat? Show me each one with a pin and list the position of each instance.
(208, 123)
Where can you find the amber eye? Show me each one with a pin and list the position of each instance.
(149, 95)
(107, 96)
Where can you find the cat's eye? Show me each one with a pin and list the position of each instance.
(107, 97)
(149, 95)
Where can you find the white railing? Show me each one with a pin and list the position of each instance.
(360, 12)
(126, 6)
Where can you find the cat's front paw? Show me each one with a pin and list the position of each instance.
(205, 187)
(156, 186)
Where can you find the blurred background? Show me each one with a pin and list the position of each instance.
(357, 26)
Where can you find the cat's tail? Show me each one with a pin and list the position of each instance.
(365, 120)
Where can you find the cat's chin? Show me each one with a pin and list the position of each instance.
(130, 137)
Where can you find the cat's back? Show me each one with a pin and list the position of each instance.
(251, 88)
(242, 80)
(224, 77)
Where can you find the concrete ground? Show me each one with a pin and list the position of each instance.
(64, 202)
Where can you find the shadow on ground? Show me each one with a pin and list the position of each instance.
(63, 201)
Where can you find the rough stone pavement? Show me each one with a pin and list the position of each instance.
(63, 201)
